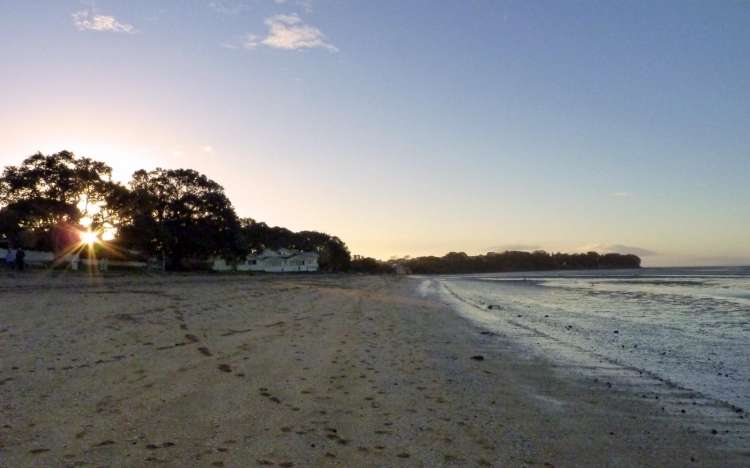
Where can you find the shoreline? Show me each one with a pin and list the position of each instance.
(299, 370)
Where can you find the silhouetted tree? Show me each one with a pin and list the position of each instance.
(182, 215)
(370, 265)
(45, 192)
(334, 255)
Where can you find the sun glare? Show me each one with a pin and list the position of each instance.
(89, 237)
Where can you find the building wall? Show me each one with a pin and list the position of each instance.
(33, 257)
(271, 264)
(41, 258)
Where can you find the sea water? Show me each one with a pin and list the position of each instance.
(688, 328)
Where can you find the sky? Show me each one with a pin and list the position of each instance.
(410, 127)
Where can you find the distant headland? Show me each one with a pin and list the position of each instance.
(497, 262)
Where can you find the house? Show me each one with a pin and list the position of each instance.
(272, 261)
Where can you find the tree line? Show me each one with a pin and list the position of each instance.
(493, 262)
(179, 215)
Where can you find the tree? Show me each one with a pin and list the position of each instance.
(182, 215)
(370, 265)
(334, 255)
(45, 192)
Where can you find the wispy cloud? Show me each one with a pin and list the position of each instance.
(307, 5)
(286, 32)
(289, 32)
(87, 20)
(617, 248)
(514, 247)
(230, 7)
(234, 7)
(622, 194)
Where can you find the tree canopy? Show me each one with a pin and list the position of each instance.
(46, 191)
(180, 214)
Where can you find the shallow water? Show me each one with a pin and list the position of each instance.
(687, 327)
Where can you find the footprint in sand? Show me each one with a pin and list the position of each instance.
(105, 443)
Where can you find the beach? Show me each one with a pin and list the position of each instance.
(301, 370)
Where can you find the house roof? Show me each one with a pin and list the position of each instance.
(283, 253)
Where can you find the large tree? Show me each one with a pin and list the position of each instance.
(182, 215)
(45, 192)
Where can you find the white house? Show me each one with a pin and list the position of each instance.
(276, 261)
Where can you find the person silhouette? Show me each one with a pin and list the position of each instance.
(20, 257)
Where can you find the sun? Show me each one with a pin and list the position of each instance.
(89, 237)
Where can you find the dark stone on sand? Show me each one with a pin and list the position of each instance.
(225, 368)
(478, 357)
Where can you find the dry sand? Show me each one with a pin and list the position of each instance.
(296, 371)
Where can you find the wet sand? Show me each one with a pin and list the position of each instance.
(298, 371)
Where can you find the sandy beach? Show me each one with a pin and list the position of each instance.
(307, 370)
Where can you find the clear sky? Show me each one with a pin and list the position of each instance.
(407, 126)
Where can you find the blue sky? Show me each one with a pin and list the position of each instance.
(410, 127)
